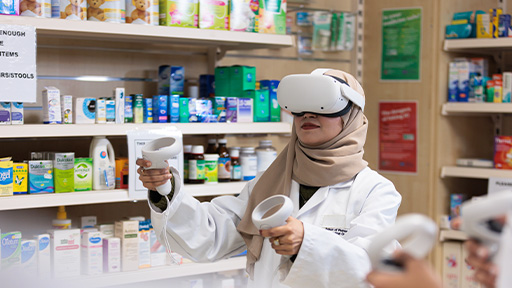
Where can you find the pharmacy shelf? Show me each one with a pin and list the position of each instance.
(121, 32)
(452, 235)
(471, 172)
(476, 109)
(478, 45)
(81, 130)
(28, 201)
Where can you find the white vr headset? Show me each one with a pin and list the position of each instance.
(317, 93)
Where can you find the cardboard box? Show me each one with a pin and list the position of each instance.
(222, 81)
(272, 17)
(10, 246)
(111, 255)
(10, 7)
(467, 273)
(452, 262)
(144, 244)
(231, 109)
(51, 106)
(244, 16)
(245, 110)
(17, 113)
(242, 78)
(6, 177)
(44, 262)
(84, 111)
(20, 175)
(275, 109)
(128, 232)
(65, 252)
(503, 152)
(214, 14)
(92, 253)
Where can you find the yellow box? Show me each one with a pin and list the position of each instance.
(20, 171)
(483, 26)
(6, 177)
(495, 22)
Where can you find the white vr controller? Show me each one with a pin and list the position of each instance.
(478, 218)
(276, 219)
(418, 232)
(158, 151)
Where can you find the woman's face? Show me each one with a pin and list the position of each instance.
(313, 129)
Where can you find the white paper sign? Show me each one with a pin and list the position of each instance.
(499, 184)
(17, 63)
(136, 140)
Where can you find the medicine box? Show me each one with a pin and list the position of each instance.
(20, 177)
(244, 16)
(206, 86)
(184, 110)
(101, 111)
(110, 105)
(40, 176)
(272, 17)
(467, 272)
(107, 230)
(455, 204)
(119, 99)
(219, 108)
(463, 65)
(128, 108)
(111, 255)
(148, 110)
(43, 256)
(483, 26)
(6, 177)
(88, 222)
(66, 102)
(214, 14)
(65, 252)
(84, 111)
(10, 246)
(242, 78)
(452, 262)
(64, 172)
(29, 256)
(160, 108)
(503, 152)
(231, 109)
(17, 113)
(10, 7)
(158, 254)
(5, 113)
(51, 106)
(275, 109)
(144, 244)
(222, 81)
(507, 87)
(177, 80)
(164, 80)
(244, 110)
(92, 253)
(128, 232)
(181, 13)
(174, 108)
(261, 105)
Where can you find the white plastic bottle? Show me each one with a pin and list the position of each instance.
(249, 163)
(266, 154)
(103, 163)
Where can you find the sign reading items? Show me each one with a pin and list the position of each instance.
(17, 63)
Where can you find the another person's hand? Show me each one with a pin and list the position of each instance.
(152, 178)
(417, 274)
(286, 239)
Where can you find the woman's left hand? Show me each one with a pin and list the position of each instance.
(286, 239)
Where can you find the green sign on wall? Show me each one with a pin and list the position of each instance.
(401, 43)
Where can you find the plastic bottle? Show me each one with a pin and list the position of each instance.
(61, 222)
(212, 146)
(236, 168)
(224, 171)
(249, 163)
(266, 154)
(186, 155)
(196, 165)
(103, 164)
(211, 168)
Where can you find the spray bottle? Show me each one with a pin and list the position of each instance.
(103, 163)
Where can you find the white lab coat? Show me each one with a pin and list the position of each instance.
(339, 222)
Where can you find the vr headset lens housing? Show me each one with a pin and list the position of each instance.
(319, 94)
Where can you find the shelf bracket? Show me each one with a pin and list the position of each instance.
(498, 124)
(215, 54)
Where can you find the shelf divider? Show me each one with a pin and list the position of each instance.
(472, 172)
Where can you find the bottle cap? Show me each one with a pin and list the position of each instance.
(211, 157)
(247, 149)
(234, 153)
(222, 141)
(265, 142)
(61, 213)
(212, 141)
(187, 148)
(197, 149)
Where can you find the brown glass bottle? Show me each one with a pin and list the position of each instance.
(224, 162)
(187, 149)
(236, 168)
(196, 165)
(212, 146)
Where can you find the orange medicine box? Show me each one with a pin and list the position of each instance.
(122, 173)
(503, 152)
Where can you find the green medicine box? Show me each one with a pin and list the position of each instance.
(243, 78)
(222, 81)
(261, 104)
(275, 109)
(272, 17)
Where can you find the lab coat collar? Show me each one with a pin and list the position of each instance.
(317, 198)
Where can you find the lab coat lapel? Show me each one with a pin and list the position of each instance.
(317, 198)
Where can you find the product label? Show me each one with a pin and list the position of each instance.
(28, 250)
(224, 168)
(185, 169)
(236, 172)
(265, 159)
(249, 167)
(43, 243)
(196, 169)
(211, 171)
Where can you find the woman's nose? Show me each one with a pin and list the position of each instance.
(309, 115)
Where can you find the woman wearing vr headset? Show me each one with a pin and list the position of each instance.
(339, 202)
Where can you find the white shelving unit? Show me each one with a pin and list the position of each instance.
(478, 45)
(229, 40)
(452, 235)
(483, 109)
(106, 196)
(478, 173)
(81, 130)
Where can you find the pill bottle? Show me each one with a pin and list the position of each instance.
(210, 168)
(236, 168)
(196, 165)
(224, 171)
(211, 148)
(266, 154)
(249, 163)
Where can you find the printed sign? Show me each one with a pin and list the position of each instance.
(398, 136)
(17, 63)
(499, 184)
(136, 140)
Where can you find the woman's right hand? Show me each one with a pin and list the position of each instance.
(152, 178)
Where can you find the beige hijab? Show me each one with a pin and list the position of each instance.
(335, 161)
